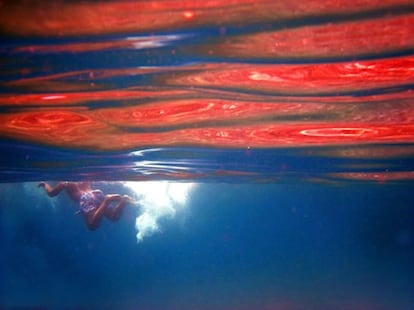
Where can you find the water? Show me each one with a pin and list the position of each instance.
(270, 146)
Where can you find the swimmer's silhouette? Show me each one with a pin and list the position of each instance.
(93, 204)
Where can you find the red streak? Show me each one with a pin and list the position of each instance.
(78, 98)
(357, 38)
(87, 130)
(194, 111)
(86, 18)
(305, 79)
(381, 177)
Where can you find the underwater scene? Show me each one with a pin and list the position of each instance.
(240, 154)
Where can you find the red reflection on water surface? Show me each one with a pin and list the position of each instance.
(106, 131)
(380, 177)
(385, 35)
(326, 78)
(91, 18)
(195, 119)
(80, 98)
(350, 84)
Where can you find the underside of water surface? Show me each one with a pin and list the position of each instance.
(185, 90)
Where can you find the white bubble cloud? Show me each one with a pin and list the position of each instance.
(157, 200)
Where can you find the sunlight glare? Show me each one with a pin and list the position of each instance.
(157, 200)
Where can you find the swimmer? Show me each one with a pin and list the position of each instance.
(93, 204)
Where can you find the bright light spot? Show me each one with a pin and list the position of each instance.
(153, 41)
(188, 14)
(53, 97)
(258, 76)
(157, 200)
(338, 132)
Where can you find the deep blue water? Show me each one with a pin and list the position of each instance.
(235, 246)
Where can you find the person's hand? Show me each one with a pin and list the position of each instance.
(130, 200)
(112, 197)
(41, 184)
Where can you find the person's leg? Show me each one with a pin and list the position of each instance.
(114, 213)
(94, 218)
(70, 187)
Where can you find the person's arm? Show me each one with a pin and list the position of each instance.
(52, 191)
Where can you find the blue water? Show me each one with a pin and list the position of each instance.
(323, 226)
(235, 246)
